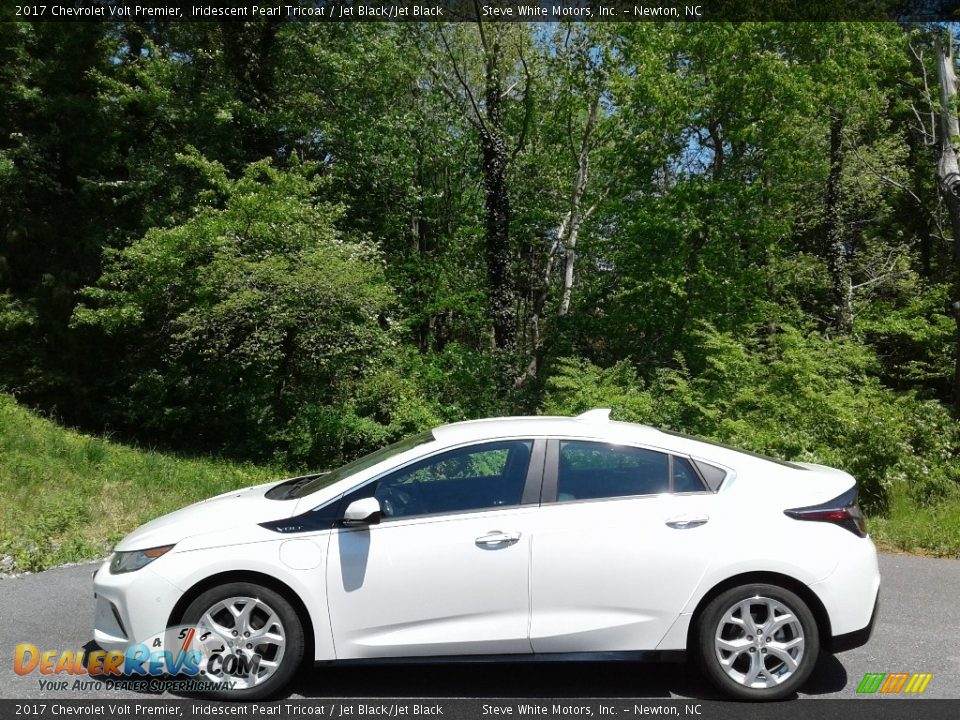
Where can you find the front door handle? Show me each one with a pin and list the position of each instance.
(684, 522)
(496, 538)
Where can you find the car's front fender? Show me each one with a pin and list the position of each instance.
(298, 563)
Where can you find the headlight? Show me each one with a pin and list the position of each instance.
(124, 562)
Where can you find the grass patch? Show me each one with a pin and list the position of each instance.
(914, 527)
(65, 496)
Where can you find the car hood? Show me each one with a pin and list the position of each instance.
(232, 509)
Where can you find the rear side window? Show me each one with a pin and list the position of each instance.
(685, 478)
(589, 470)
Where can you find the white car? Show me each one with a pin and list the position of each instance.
(520, 538)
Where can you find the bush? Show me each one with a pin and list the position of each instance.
(382, 408)
(239, 322)
(789, 395)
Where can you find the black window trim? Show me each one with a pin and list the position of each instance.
(540, 486)
(551, 474)
(533, 485)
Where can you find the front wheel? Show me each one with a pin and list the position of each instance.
(757, 642)
(256, 635)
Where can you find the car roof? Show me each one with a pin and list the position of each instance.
(594, 423)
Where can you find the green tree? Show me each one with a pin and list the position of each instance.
(243, 316)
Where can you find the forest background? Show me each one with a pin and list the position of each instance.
(234, 251)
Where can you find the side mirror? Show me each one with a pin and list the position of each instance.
(363, 512)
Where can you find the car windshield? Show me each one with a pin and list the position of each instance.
(362, 463)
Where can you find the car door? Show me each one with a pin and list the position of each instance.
(622, 540)
(446, 571)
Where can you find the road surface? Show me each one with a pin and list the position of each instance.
(918, 631)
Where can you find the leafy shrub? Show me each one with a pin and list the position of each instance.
(790, 395)
(914, 338)
(241, 320)
(381, 408)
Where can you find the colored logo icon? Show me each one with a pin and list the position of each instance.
(894, 683)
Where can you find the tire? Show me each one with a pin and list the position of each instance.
(270, 618)
(749, 666)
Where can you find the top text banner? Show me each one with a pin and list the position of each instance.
(473, 10)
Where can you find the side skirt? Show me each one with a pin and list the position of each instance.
(676, 656)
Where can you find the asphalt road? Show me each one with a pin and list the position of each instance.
(918, 631)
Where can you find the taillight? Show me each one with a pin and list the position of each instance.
(842, 510)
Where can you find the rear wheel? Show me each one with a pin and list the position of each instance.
(256, 634)
(757, 642)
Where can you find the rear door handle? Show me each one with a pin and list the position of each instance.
(683, 522)
(497, 538)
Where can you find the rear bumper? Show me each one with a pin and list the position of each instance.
(857, 638)
(849, 593)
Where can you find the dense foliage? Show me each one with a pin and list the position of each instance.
(295, 242)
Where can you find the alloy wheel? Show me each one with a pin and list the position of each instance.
(759, 642)
(248, 629)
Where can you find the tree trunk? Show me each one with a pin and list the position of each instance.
(576, 215)
(498, 240)
(496, 157)
(836, 251)
(948, 180)
(566, 237)
(539, 301)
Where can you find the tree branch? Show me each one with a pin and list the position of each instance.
(885, 178)
(527, 106)
(479, 123)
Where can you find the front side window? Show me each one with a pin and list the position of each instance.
(590, 470)
(476, 477)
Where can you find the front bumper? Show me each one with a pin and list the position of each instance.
(131, 607)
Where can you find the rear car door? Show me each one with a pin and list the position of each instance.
(622, 540)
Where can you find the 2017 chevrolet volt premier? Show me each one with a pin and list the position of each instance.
(521, 538)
